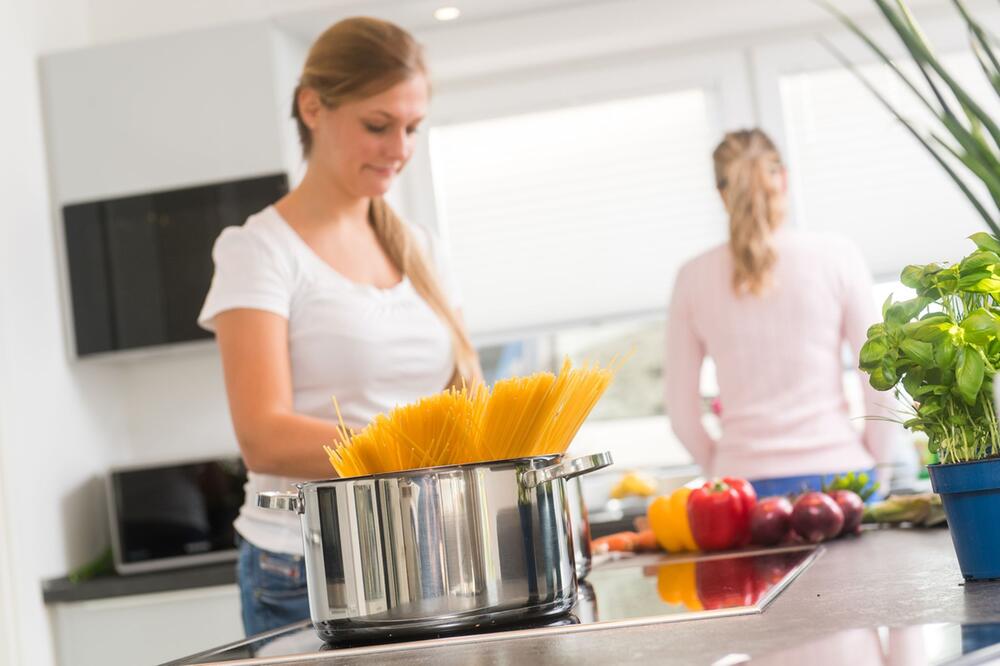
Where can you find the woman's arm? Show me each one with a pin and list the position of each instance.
(682, 374)
(273, 438)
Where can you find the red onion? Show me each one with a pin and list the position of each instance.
(770, 521)
(816, 517)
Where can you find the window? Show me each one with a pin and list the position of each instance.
(576, 214)
(857, 171)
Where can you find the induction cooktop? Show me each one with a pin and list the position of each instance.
(634, 590)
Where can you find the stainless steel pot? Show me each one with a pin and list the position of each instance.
(437, 549)
(579, 521)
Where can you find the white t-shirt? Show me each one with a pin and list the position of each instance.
(371, 348)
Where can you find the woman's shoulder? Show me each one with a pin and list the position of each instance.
(709, 260)
(264, 231)
(262, 239)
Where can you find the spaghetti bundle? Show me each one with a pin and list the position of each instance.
(522, 416)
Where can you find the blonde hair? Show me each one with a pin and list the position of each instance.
(355, 59)
(747, 164)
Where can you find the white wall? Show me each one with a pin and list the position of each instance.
(57, 416)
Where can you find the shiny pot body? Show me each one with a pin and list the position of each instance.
(437, 549)
(579, 522)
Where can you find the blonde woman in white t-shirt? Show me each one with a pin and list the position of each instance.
(328, 293)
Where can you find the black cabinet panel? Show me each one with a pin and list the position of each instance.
(136, 277)
(140, 266)
(86, 252)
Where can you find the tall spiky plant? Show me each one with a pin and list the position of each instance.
(964, 130)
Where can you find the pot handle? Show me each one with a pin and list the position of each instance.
(566, 469)
(280, 501)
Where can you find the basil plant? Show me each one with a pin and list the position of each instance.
(943, 349)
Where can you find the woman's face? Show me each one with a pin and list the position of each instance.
(363, 144)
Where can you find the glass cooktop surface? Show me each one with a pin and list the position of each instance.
(629, 591)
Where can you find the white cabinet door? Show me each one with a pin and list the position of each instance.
(146, 628)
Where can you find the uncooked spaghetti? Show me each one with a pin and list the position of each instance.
(521, 416)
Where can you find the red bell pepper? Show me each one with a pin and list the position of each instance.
(726, 582)
(719, 516)
(749, 497)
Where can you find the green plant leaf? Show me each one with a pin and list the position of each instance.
(945, 353)
(921, 352)
(969, 375)
(912, 381)
(980, 327)
(872, 352)
(985, 241)
(912, 275)
(986, 285)
(929, 329)
(880, 380)
(977, 261)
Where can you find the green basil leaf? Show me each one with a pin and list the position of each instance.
(980, 326)
(928, 330)
(921, 352)
(944, 353)
(969, 375)
(911, 276)
(912, 381)
(872, 352)
(989, 285)
(880, 381)
(978, 261)
(928, 409)
(875, 330)
(985, 241)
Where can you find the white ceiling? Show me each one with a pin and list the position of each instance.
(307, 18)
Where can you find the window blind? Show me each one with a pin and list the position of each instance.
(578, 213)
(856, 170)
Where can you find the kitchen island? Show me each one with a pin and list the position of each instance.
(885, 577)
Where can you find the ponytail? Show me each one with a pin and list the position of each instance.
(747, 165)
(398, 243)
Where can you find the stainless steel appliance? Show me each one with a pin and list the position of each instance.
(633, 591)
(174, 515)
(438, 549)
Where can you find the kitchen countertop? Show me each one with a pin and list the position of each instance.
(63, 590)
(887, 577)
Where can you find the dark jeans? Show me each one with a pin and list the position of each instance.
(272, 588)
(793, 485)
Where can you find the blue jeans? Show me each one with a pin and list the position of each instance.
(793, 485)
(272, 588)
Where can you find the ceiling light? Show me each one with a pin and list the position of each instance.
(447, 13)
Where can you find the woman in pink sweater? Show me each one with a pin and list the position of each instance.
(773, 308)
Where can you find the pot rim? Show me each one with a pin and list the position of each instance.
(423, 471)
(939, 465)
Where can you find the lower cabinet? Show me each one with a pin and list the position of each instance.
(146, 628)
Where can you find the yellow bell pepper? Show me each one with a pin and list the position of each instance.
(669, 521)
(676, 584)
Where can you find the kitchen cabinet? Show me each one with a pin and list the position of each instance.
(145, 628)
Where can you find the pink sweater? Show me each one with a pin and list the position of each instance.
(779, 362)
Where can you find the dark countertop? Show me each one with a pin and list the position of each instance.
(62, 590)
(887, 577)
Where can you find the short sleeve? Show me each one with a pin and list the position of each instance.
(249, 273)
(437, 251)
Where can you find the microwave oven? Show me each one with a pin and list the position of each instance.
(174, 515)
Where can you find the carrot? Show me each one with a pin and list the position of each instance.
(646, 541)
(620, 541)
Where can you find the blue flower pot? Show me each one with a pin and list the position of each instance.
(970, 493)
